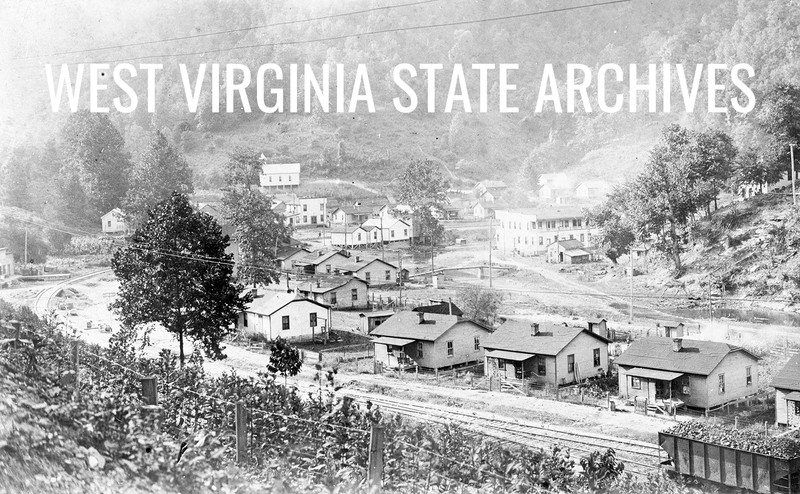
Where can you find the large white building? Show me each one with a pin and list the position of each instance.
(529, 231)
(279, 176)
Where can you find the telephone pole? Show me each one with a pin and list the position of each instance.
(26, 249)
(491, 220)
(630, 262)
(794, 197)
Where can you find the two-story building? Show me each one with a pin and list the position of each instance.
(394, 229)
(428, 341)
(544, 353)
(6, 263)
(278, 176)
(302, 211)
(353, 214)
(340, 292)
(288, 315)
(696, 373)
(528, 231)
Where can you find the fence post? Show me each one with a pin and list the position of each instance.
(472, 380)
(581, 396)
(76, 357)
(437, 376)
(375, 467)
(735, 423)
(490, 383)
(766, 429)
(454, 377)
(608, 400)
(150, 390)
(241, 432)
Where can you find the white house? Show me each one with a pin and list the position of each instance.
(592, 189)
(6, 263)
(373, 271)
(113, 222)
(340, 292)
(288, 315)
(394, 229)
(279, 176)
(529, 231)
(302, 211)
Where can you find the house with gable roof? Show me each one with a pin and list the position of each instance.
(787, 393)
(288, 315)
(428, 340)
(568, 252)
(544, 353)
(340, 292)
(701, 374)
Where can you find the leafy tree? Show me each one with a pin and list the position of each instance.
(616, 231)
(480, 305)
(284, 359)
(423, 188)
(16, 179)
(601, 470)
(96, 151)
(779, 116)
(160, 172)
(175, 272)
(258, 230)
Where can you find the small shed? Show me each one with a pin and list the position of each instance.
(368, 321)
(671, 329)
(598, 326)
(568, 252)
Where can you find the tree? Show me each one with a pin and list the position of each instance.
(15, 179)
(424, 190)
(96, 152)
(160, 171)
(616, 231)
(480, 305)
(779, 116)
(175, 272)
(258, 230)
(284, 359)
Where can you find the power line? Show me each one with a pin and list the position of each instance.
(230, 31)
(354, 35)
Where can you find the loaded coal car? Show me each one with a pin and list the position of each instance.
(745, 458)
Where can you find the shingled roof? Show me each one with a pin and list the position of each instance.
(440, 308)
(789, 376)
(695, 357)
(270, 303)
(407, 325)
(516, 336)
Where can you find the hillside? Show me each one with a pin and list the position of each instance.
(745, 250)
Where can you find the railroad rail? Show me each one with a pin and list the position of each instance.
(640, 457)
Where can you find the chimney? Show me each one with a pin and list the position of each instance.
(534, 328)
(318, 283)
(320, 253)
(358, 258)
(677, 344)
(421, 316)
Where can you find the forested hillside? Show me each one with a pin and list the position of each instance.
(371, 146)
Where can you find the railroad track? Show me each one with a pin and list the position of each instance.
(639, 457)
(41, 302)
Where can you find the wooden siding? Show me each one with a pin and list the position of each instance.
(344, 298)
(582, 347)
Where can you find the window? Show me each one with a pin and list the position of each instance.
(797, 407)
(391, 233)
(685, 385)
(289, 178)
(541, 367)
(571, 363)
(367, 276)
(501, 364)
(305, 219)
(327, 268)
(722, 384)
(748, 372)
(388, 275)
(280, 178)
(419, 349)
(244, 319)
(541, 240)
(518, 370)
(405, 232)
(354, 294)
(477, 343)
(285, 320)
(322, 207)
(582, 237)
(449, 348)
(109, 222)
(312, 320)
(596, 356)
(333, 298)
(636, 383)
(359, 237)
(270, 179)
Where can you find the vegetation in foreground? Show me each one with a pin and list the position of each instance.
(311, 443)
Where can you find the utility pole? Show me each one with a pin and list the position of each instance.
(794, 197)
(26, 249)
(491, 220)
(383, 258)
(630, 262)
(400, 275)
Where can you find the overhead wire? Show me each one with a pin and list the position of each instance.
(346, 36)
